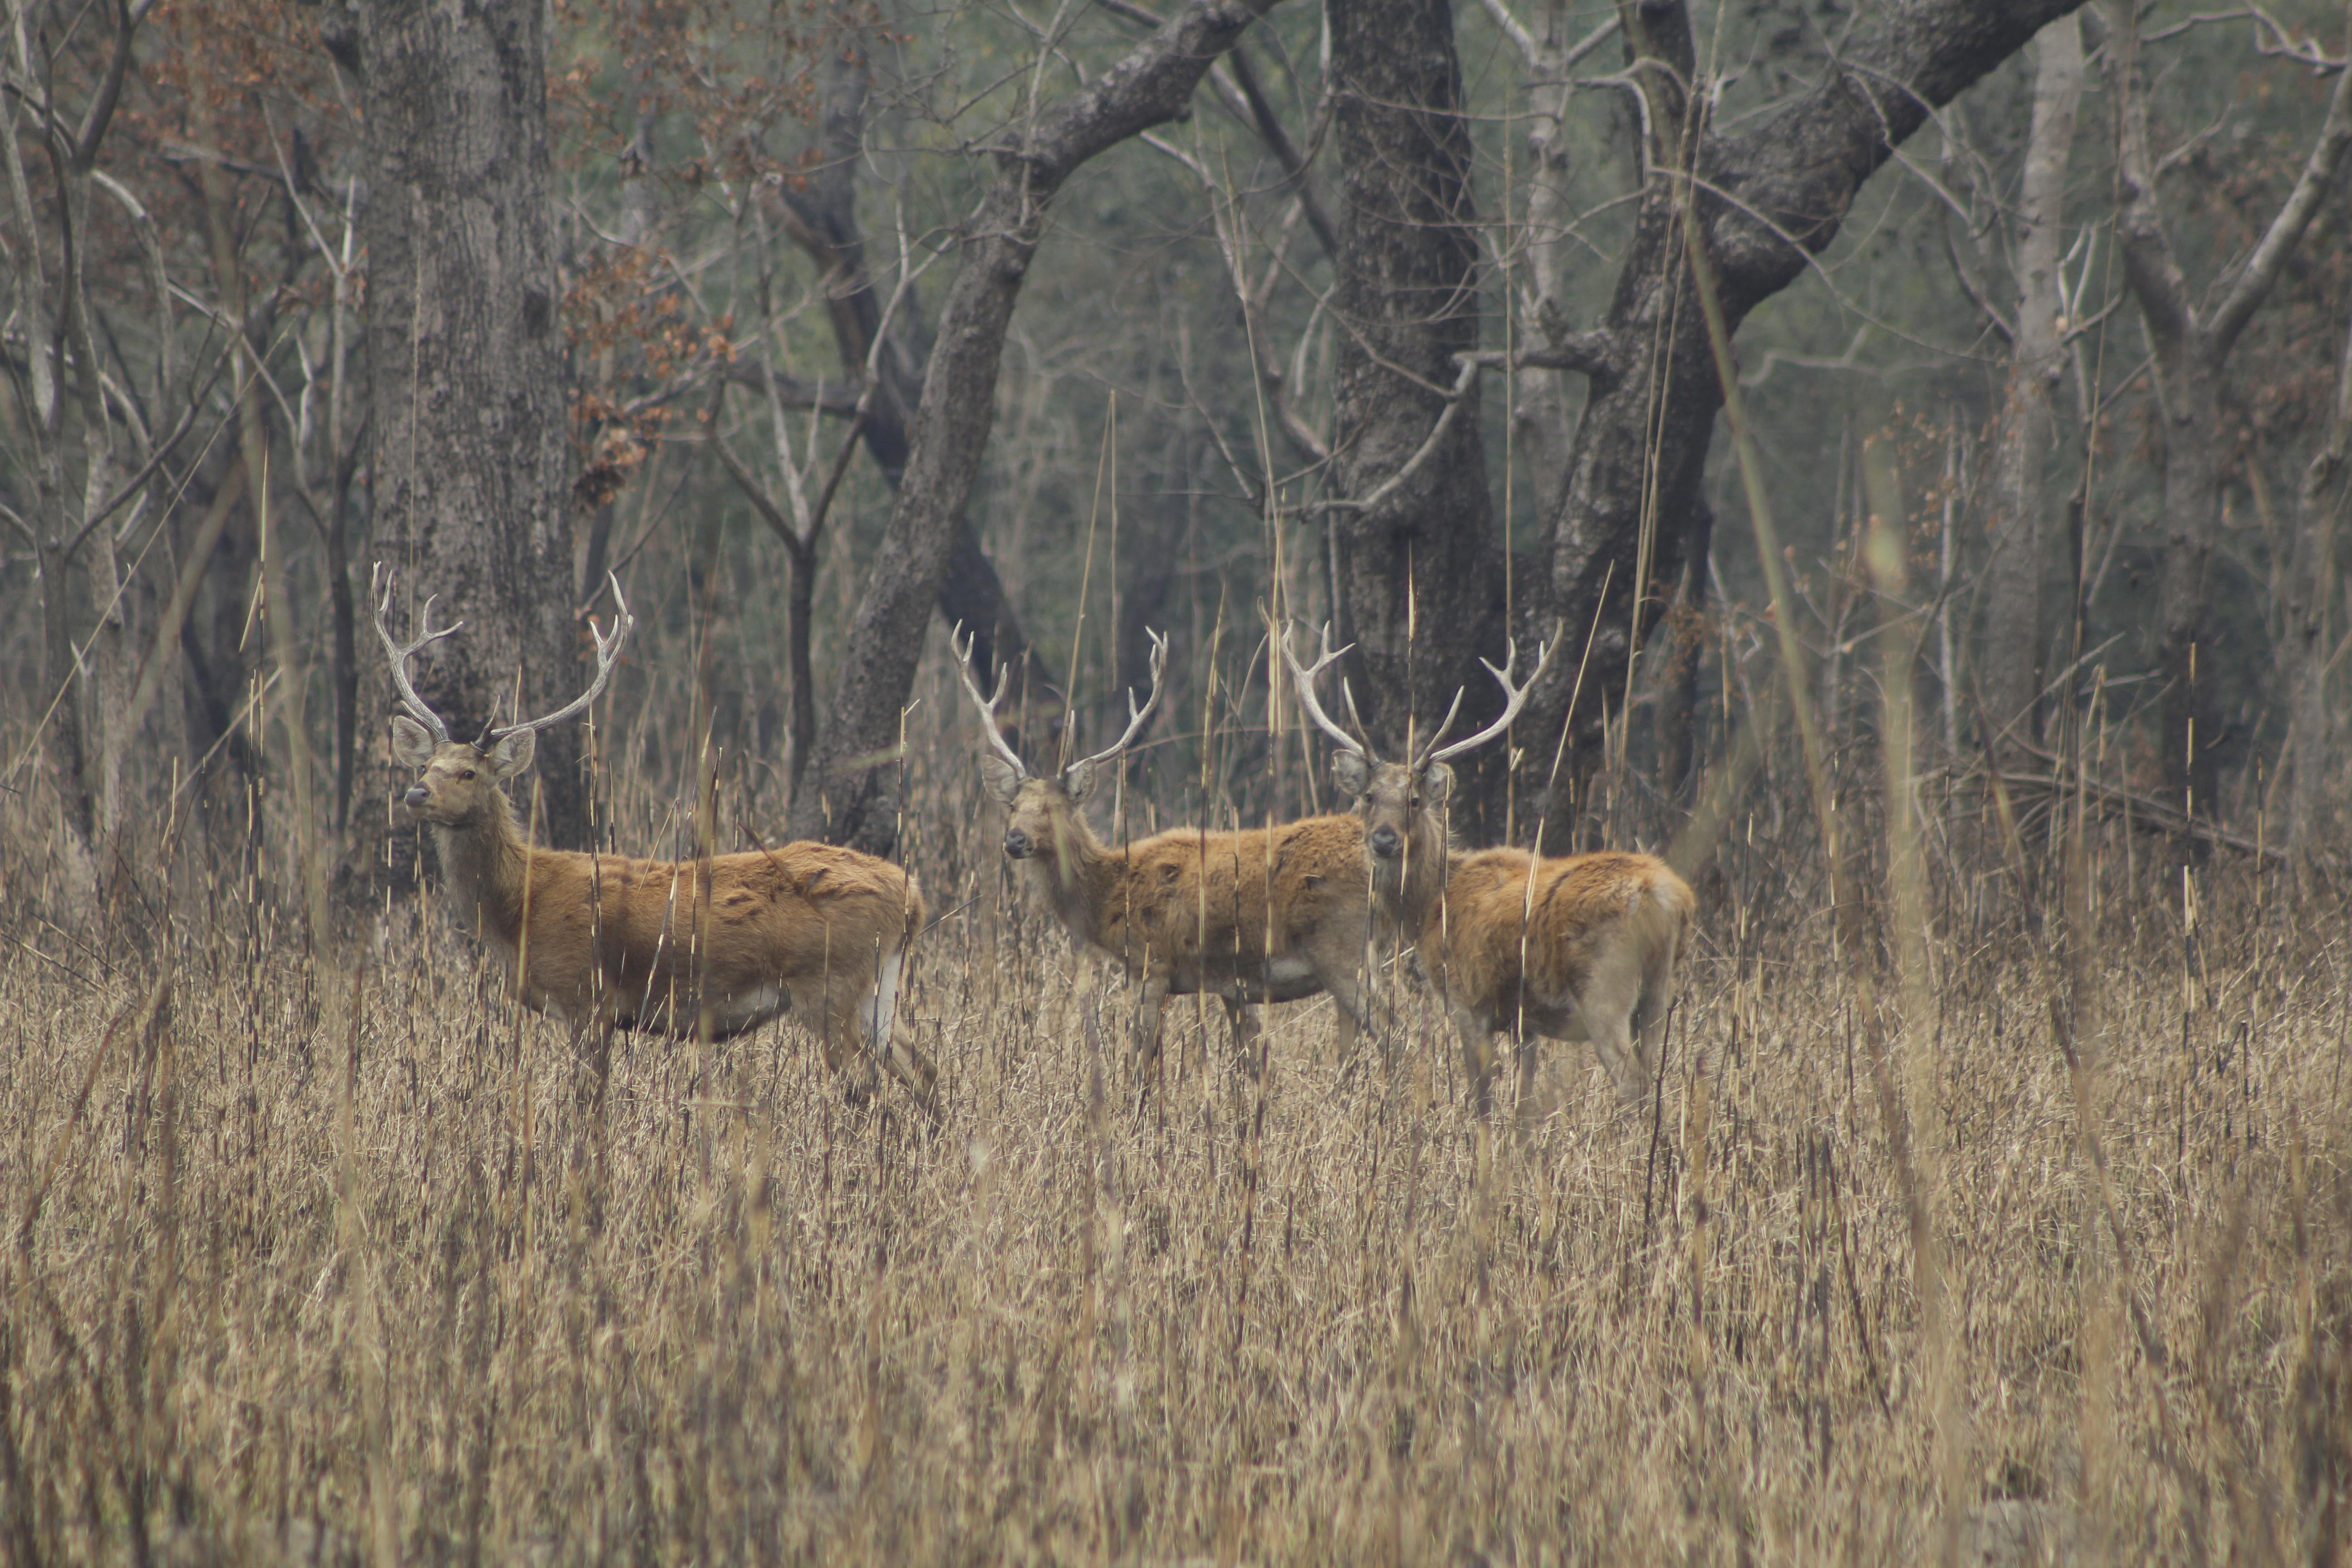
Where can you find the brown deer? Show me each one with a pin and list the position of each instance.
(1268, 914)
(606, 942)
(1515, 943)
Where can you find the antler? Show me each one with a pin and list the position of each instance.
(987, 705)
(1514, 698)
(400, 656)
(608, 653)
(1135, 716)
(1304, 678)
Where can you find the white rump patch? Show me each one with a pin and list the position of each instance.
(879, 1011)
(1288, 970)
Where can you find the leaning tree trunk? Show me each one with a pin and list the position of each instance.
(851, 795)
(2016, 641)
(1413, 535)
(822, 217)
(1766, 199)
(467, 450)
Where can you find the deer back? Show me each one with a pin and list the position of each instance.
(1229, 902)
(1510, 919)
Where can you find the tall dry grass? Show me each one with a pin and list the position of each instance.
(345, 1262)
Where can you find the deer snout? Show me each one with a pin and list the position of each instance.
(1387, 843)
(1017, 845)
(417, 797)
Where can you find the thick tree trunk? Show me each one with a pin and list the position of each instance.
(852, 793)
(2016, 641)
(1415, 548)
(468, 458)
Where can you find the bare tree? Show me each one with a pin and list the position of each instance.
(78, 441)
(1628, 511)
(2016, 636)
(852, 796)
(2192, 341)
(821, 217)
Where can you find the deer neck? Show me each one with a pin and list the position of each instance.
(486, 863)
(1407, 892)
(1072, 872)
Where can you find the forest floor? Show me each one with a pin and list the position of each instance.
(351, 1265)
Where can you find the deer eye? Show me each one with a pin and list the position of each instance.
(466, 774)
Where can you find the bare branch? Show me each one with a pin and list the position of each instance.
(2261, 273)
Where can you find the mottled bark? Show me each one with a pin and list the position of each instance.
(1415, 540)
(468, 460)
(2016, 639)
(2192, 349)
(852, 793)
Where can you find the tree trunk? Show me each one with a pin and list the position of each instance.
(2190, 405)
(2306, 594)
(2016, 641)
(822, 217)
(2192, 349)
(852, 794)
(468, 458)
(1774, 195)
(1416, 564)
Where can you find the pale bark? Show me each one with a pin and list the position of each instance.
(820, 216)
(2016, 639)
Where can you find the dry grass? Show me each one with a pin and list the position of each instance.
(289, 1280)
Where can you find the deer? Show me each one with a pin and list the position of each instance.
(1251, 916)
(1513, 942)
(607, 941)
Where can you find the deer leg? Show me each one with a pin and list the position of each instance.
(1477, 1056)
(1348, 994)
(1606, 1011)
(1148, 1011)
(1244, 1026)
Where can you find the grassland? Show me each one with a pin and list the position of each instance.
(345, 1261)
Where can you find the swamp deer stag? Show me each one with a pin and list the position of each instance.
(1515, 943)
(606, 942)
(1268, 914)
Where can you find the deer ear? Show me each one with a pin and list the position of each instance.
(409, 742)
(1436, 785)
(1079, 782)
(1000, 778)
(513, 753)
(1353, 774)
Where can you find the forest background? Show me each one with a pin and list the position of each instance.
(1423, 358)
(1917, 430)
